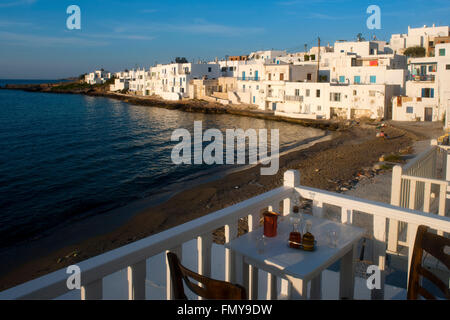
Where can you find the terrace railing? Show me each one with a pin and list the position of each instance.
(293, 98)
(415, 186)
(133, 256)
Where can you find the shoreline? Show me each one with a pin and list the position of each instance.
(187, 105)
(349, 150)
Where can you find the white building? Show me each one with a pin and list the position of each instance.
(171, 81)
(327, 100)
(97, 77)
(427, 89)
(421, 37)
(262, 84)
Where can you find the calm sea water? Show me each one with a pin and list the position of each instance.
(64, 158)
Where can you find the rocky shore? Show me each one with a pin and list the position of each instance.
(188, 105)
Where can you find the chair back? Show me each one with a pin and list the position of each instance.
(434, 245)
(210, 289)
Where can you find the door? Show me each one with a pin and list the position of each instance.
(243, 75)
(274, 106)
(256, 75)
(428, 114)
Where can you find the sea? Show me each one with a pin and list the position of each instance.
(67, 158)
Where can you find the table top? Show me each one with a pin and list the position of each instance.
(275, 256)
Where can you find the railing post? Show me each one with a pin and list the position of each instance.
(204, 244)
(169, 290)
(136, 275)
(92, 291)
(253, 223)
(379, 253)
(442, 203)
(395, 201)
(346, 216)
(231, 232)
(447, 165)
(291, 179)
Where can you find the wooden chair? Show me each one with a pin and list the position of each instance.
(434, 245)
(211, 289)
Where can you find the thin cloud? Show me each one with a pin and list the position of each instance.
(9, 23)
(123, 37)
(16, 3)
(28, 39)
(193, 28)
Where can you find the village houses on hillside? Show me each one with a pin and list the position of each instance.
(352, 79)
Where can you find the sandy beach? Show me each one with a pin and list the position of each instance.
(327, 165)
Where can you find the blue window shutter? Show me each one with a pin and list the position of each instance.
(423, 92)
(432, 93)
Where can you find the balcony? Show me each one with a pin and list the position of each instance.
(424, 78)
(293, 98)
(249, 78)
(139, 270)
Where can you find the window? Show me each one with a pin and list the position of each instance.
(257, 87)
(409, 110)
(307, 92)
(254, 99)
(373, 79)
(335, 96)
(427, 93)
(355, 92)
(342, 79)
(319, 108)
(317, 93)
(447, 67)
(357, 79)
(209, 69)
(372, 93)
(442, 52)
(309, 76)
(297, 92)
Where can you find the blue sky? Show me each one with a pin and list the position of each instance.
(35, 43)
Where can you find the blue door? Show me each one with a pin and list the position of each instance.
(274, 106)
(256, 75)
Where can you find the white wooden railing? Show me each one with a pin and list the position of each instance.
(133, 256)
(415, 186)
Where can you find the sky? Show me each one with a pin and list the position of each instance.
(35, 42)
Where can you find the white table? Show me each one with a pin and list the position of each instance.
(298, 267)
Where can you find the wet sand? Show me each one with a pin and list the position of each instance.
(340, 158)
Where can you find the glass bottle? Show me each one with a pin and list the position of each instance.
(295, 237)
(308, 238)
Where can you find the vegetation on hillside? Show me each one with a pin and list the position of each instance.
(415, 52)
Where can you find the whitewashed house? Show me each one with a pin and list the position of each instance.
(97, 77)
(422, 37)
(427, 89)
(138, 81)
(171, 81)
(314, 100)
(262, 84)
(121, 81)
